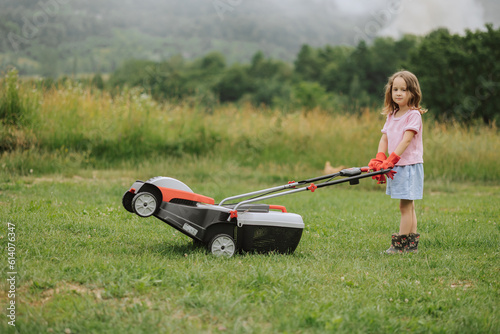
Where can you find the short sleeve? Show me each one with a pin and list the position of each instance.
(414, 122)
(384, 129)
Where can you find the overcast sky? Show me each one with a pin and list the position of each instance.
(396, 17)
(374, 18)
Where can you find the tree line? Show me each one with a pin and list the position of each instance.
(459, 76)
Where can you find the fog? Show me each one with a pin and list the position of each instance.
(160, 29)
(397, 17)
(348, 22)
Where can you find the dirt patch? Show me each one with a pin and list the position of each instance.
(71, 287)
(63, 288)
(66, 288)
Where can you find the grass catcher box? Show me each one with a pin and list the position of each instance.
(274, 231)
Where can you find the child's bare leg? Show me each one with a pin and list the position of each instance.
(414, 224)
(408, 222)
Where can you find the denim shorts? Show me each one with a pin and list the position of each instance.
(408, 182)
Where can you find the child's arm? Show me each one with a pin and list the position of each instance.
(403, 144)
(380, 157)
(383, 144)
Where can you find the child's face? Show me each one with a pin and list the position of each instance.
(400, 94)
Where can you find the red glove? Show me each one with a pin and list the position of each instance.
(390, 174)
(390, 162)
(380, 178)
(375, 163)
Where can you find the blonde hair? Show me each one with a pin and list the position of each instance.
(412, 87)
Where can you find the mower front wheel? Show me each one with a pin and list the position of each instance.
(144, 204)
(222, 245)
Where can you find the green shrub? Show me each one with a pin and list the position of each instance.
(17, 106)
(309, 94)
(11, 108)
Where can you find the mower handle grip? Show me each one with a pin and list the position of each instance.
(353, 171)
(367, 169)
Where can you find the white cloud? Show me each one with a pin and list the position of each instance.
(421, 17)
(357, 7)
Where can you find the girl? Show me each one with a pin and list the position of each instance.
(402, 138)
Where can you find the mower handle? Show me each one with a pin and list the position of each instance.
(353, 171)
(290, 185)
(354, 179)
(352, 175)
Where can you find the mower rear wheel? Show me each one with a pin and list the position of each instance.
(222, 245)
(144, 204)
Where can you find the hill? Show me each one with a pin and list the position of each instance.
(54, 37)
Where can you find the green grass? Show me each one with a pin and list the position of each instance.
(85, 265)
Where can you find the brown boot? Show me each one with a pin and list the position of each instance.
(399, 244)
(413, 239)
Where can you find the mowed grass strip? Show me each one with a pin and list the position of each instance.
(87, 265)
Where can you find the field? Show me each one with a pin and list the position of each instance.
(85, 265)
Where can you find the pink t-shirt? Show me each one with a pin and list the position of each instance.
(395, 127)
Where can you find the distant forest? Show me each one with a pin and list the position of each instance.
(459, 75)
(56, 37)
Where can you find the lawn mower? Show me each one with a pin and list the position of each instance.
(237, 223)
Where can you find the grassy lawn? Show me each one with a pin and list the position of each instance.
(86, 265)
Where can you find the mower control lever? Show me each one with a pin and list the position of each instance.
(350, 171)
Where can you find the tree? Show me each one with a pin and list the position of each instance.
(233, 84)
(307, 65)
(332, 61)
(97, 81)
(460, 75)
(213, 62)
(309, 94)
